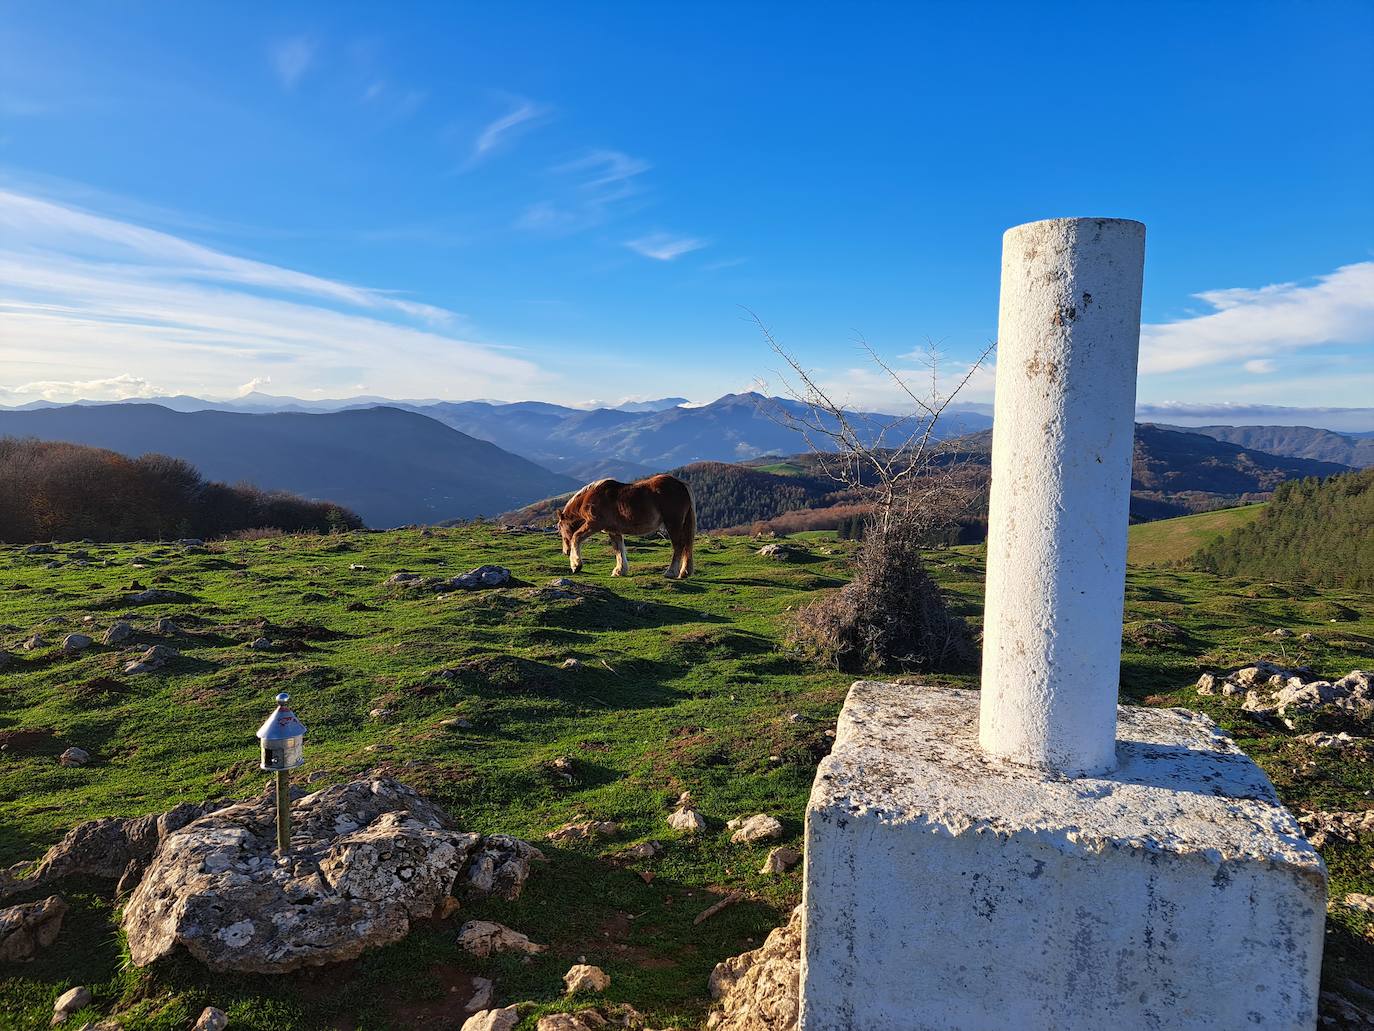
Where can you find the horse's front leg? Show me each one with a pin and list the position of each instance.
(622, 560)
(575, 548)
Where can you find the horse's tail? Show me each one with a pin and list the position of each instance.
(689, 535)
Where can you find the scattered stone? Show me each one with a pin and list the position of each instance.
(483, 937)
(1341, 1014)
(644, 850)
(570, 663)
(1322, 740)
(761, 990)
(1346, 827)
(26, 928)
(74, 757)
(1280, 632)
(260, 644)
(482, 576)
(211, 1019)
(69, 1002)
(404, 580)
(780, 860)
(191, 542)
(1361, 903)
(1272, 692)
(166, 627)
(585, 978)
(151, 660)
(73, 643)
(456, 723)
(367, 858)
(357, 567)
(687, 820)
(779, 552)
(752, 829)
(585, 830)
(493, 1020)
(1308, 636)
(40, 549)
(564, 766)
(621, 1016)
(482, 991)
(35, 642)
(120, 631)
(157, 594)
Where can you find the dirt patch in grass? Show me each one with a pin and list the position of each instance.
(28, 741)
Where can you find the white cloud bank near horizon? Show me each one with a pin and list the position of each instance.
(95, 308)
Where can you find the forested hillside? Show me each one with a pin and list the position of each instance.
(67, 492)
(1294, 442)
(1317, 531)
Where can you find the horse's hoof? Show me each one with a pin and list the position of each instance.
(616, 572)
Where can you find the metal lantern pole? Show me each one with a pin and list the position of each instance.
(283, 749)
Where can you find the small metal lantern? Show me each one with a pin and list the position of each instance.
(283, 749)
(282, 737)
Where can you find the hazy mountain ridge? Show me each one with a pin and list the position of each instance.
(388, 465)
(1353, 449)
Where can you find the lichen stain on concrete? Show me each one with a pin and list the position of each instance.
(1047, 367)
(1066, 314)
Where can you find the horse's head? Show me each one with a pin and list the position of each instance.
(565, 530)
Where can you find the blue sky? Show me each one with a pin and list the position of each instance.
(577, 201)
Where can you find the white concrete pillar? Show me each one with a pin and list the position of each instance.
(1068, 337)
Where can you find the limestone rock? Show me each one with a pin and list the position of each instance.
(482, 576)
(1272, 691)
(585, 830)
(752, 829)
(26, 928)
(367, 858)
(482, 990)
(69, 1002)
(586, 978)
(493, 1020)
(643, 850)
(166, 627)
(779, 552)
(599, 1019)
(483, 937)
(156, 594)
(780, 860)
(120, 631)
(40, 549)
(761, 990)
(109, 849)
(33, 643)
(151, 660)
(1359, 902)
(501, 865)
(1347, 827)
(686, 820)
(260, 644)
(211, 1019)
(73, 643)
(74, 757)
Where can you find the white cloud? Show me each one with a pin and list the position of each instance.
(254, 384)
(292, 58)
(590, 188)
(1260, 366)
(664, 247)
(1249, 324)
(85, 299)
(502, 128)
(1234, 413)
(112, 388)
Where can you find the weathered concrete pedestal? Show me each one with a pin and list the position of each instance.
(1030, 856)
(947, 888)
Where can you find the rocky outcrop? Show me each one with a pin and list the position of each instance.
(761, 990)
(482, 938)
(108, 848)
(366, 859)
(503, 1019)
(26, 928)
(583, 977)
(1271, 691)
(1345, 827)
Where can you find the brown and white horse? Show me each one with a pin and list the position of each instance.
(635, 508)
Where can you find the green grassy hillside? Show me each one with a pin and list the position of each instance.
(679, 686)
(1166, 541)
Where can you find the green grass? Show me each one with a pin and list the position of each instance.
(681, 686)
(1168, 541)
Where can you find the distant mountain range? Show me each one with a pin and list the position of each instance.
(1352, 449)
(388, 465)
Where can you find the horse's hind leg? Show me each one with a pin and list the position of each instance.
(622, 560)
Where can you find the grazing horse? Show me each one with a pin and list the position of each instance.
(640, 507)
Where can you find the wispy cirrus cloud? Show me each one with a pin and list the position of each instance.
(665, 246)
(498, 132)
(292, 58)
(1250, 326)
(86, 299)
(589, 190)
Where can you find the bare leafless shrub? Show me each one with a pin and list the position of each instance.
(917, 486)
